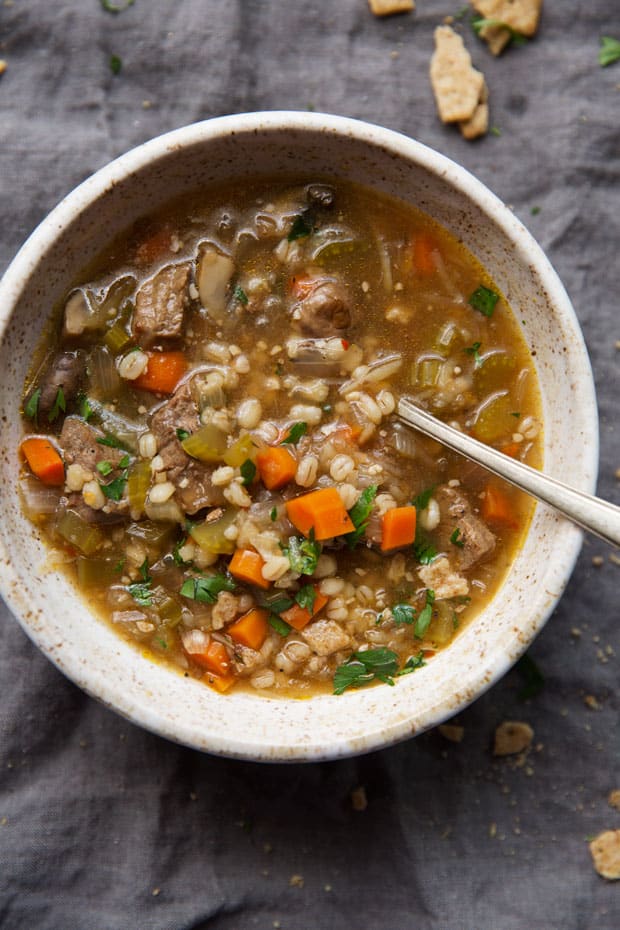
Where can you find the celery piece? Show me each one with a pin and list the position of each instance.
(166, 607)
(153, 534)
(240, 451)
(207, 444)
(495, 420)
(494, 373)
(427, 372)
(80, 534)
(117, 338)
(138, 483)
(441, 628)
(210, 534)
(97, 572)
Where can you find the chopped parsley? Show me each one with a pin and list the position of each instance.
(474, 350)
(31, 408)
(302, 227)
(176, 552)
(59, 405)
(248, 472)
(359, 514)
(533, 678)
(278, 604)
(412, 663)
(295, 433)
(422, 500)
(104, 468)
(425, 616)
(182, 434)
(205, 588)
(278, 624)
(361, 668)
(609, 51)
(273, 514)
(306, 597)
(424, 550)
(403, 613)
(478, 23)
(241, 296)
(111, 7)
(141, 590)
(516, 414)
(114, 489)
(116, 65)
(110, 441)
(484, 299)
(124, 462)
(535, 210)
(303, 554)
(495, 131)
(456, 538)
(86, 411)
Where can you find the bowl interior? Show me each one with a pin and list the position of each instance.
(259, 727)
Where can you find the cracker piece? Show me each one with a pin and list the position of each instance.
(457, 85)
(512, 736)
(613, 799)
(496, 37)
(478, 123)
(605, 850)
(388, 7)
(452, 732)
(520, 15)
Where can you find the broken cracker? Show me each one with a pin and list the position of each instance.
(512, 736)
(388, 7)
(605, 849)
(613, 798)
(508, 16)
(478, 124)
(452, 732)
(457, 85)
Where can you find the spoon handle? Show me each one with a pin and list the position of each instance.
(593, 514)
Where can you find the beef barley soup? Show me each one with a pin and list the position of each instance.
(211, 449)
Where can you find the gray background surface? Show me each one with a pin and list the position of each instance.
(106, 827)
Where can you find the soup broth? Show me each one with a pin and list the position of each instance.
(212, 449)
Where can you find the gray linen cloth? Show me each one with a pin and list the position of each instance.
(106, 827)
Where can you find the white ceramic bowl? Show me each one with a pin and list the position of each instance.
(258, 727)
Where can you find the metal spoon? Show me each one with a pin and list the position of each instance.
(593, 514)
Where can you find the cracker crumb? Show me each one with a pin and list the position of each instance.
(155, 892)
(492, 830)
(613, 799)
(590, 701)
(452, 732)
(614, 559)
(3, 66)
(296, 881)
(457, 85)
(509, 16)
(478, 124)
(598, 560)
(359, 801)
(389, 7)
(575, 632)
(605, 850)
(511, 737)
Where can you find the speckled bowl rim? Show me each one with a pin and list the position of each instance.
(336, 743)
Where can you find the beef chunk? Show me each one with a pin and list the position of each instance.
(325, 311)
(64, 372)
(160, 305)
(191, 477)
(457, 513)
(78, 441)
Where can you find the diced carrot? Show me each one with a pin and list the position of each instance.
(251, 629)
(43, 460)
(423, 258)
(163, 372)
(497, 507)
(398, 528)
(321, 511)
(276, 467)
(301, 285)
(214, 658)
(246, 565)
(299, 617)
(219, 683)
(511, 448)
(154, 246)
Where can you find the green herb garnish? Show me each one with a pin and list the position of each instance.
(141, 590)
(306, 597)
(59, 404)
(110, 441)
(124, 462)
(361, 668)
(425, 616)
(273, 514)
(104, 468)
(516, 414)
(295, 433)
(474, 350)
(456, 538)
(424, 550)
(300, 228)
(176, 552)
(31, 408)
(478, 23)
(535, 210)
(403, 613)
(412, 663)
(240, 296)
(422, 501)
(182, 434)
(248, 472)
(609, 51)
(303, 554)
(205, 588)
(278, 604)
(111, 7)
(483, 299)
(495, 131)
(359, 514)
(86, 411)
(278, 624)
(533, 678)
(116, 65)
(115, 488)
